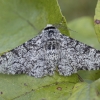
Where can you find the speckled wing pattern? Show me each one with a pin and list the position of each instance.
(47, 52)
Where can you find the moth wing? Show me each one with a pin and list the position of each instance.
(23, 58)
(77, 56)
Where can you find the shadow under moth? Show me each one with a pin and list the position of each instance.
(47, 52)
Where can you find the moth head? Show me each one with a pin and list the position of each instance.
(50, 38)
(50, 32)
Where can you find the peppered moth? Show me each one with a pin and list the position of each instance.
(47, 52)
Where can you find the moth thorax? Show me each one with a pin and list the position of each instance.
(52, 50)
(52, 44)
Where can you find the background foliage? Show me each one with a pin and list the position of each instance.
(77, 8)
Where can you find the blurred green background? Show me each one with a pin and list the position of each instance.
(80, 17)
(72, 9)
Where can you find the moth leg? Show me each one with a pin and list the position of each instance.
(64, 68)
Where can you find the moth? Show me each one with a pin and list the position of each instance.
(47, 52)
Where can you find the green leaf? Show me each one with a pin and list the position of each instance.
(23, 87)
(97, 20)
(89, 76)
(86, 91)
(85, 32)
